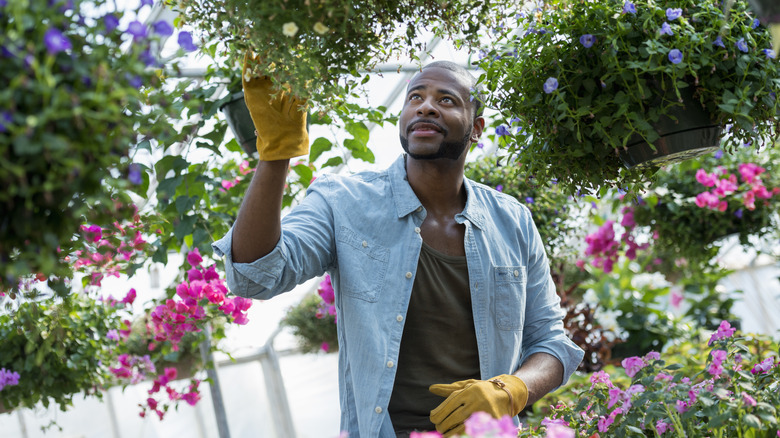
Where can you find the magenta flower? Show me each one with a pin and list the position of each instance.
(748, 400)
(662, 427)
(600, 377)
(325, 290)
(558, 431)
(633, 365)
(724, 331)
(194, 257)
(56, 41)
(482, 424)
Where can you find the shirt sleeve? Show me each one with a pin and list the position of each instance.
(543, 331)
(305, 250)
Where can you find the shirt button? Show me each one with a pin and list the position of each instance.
(517, 273)
(417, 230)
(365, 244)
(419, 209)
(378, 410)
(399, 318)
(408, 275)
(389, 363)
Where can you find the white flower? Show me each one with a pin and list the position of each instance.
(290, 29)
(321, 28)
(590, 297)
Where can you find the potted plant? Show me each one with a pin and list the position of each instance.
(317, 48)
(79, 90)
(591, 83)
(695, 204)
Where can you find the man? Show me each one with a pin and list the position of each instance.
(443, 293)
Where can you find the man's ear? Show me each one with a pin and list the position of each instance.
(477, 128)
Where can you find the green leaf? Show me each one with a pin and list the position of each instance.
(320, 145)
(184, 227)
(333, 162)
(359, 132)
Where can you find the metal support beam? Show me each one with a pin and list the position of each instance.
(216, 392)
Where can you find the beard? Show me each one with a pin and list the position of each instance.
(451, 150)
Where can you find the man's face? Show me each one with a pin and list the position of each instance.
(437, 119)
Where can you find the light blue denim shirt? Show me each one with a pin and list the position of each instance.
(364, 230)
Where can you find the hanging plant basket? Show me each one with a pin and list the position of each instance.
(240, 122)
(685, 132)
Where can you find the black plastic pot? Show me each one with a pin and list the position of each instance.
(240, 122)
(694, 133)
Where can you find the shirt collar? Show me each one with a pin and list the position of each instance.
(406, 201)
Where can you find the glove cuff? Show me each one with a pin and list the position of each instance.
(515, 388)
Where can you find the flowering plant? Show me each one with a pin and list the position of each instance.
(79, 90)
(313, 320)
(695, 204)
(586, 79)
(318, 47)
(726, 388)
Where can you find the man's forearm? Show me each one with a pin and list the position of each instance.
(541, 373)
(258, 225)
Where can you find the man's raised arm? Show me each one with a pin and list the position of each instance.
(280, 123)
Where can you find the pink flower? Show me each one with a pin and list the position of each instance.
(558, 431)
(604, 423)
(433, 434)
(325, 290)
(662, 427)
(724, 331)
(706, 179)
(547, 421)
(194, 274)
(130, 297)
(676, 297)
(633, 365)
(750, 401)
(715, 369)
(749, 200)
(749, 171)
(681, 406)
(600, 377)
(764, 366)
(325, 347)
(615, 395)
(191, 398)
(652, 355)
(708, 200)
(482, 424)
(194, 258)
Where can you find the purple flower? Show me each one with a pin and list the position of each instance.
(666, 29)
(162, 28)
(550, 85)
(719, 42)
(111, 22)
(738, 214)
(147, 3)
(718, 154)
(500, 188)
(673, 13)
(529, 200)
(137, 30)
(502, 131)
(481, 145)
(134, 175)
(514, 120)
(8, 378)
(769, 53)
(112, 335)
(134, 80)
(148, 58)
(185, 42)
(587, 40)
(629, 8)
(5, 120)
(675, 56)
(755, 23)
(742, 45)
(724, 331)
(56, 42)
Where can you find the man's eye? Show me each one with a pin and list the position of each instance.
(414, 96)
(447, 99)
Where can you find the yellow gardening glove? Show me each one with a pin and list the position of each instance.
(280, 122)
(499, 396)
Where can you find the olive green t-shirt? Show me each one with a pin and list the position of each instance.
(439, 342)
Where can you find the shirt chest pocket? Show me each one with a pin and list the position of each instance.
(509, 302)
(362, 265)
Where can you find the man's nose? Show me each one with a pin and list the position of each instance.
(427, 108)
